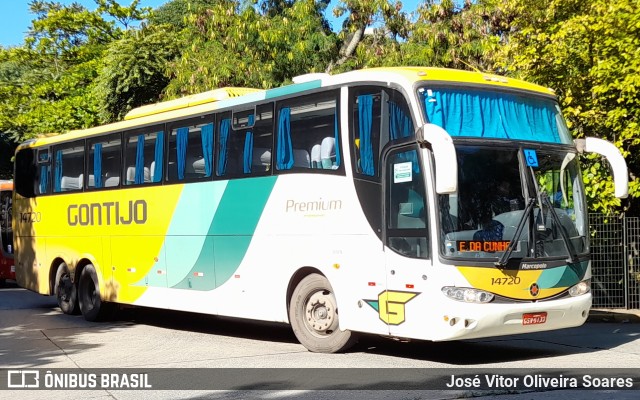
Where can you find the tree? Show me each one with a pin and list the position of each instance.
(176, 12)
(392, 24)
(235, 45)
(50, 91)
(135, 70)
(589, 52)
(461, 35)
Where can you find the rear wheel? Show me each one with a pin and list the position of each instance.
(91, 305)
(313, 313)
(65, 290)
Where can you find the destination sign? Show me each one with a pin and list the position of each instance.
(488, 246)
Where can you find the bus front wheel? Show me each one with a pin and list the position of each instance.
(65, 290)
(91, 305)
(313, 313)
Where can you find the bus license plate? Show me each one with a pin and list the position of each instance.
(534, 318)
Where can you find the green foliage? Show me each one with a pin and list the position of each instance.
(458, 35)
(46, 83)
(134, 70)
(589, 52)
(370, 34)
(232, 45)
(176, 12)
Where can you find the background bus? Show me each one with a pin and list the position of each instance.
(411, 202)
(7, 268)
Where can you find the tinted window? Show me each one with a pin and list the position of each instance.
(378, 115)
(104, 162)
(407, 231)
(308, 134)
(68, 167)
(25, 172)
(244, 142)
(191, 151)
(143, 158)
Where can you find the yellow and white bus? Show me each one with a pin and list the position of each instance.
(410, 202)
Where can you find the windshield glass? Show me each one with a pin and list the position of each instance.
(495, 185)
(6, 234)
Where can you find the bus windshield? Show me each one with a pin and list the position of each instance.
(498, 190)
(6, 234)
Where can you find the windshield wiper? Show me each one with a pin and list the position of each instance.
(516, 236)
(573, 255)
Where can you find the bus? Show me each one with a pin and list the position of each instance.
(7, 267)
(410, 202)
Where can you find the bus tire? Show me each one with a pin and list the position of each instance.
(91, 305)
(65, 290)
(313, 313)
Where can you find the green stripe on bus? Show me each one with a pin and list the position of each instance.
(230, 233)
(291, 89)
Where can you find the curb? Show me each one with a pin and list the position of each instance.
(608, 315)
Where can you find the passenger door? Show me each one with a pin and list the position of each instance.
(406, 239)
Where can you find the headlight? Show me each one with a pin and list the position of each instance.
(467, 294)
(580, 289)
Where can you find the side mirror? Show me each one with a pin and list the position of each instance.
(613, 155)
(445, 157)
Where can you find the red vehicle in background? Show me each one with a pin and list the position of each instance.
(7, 268)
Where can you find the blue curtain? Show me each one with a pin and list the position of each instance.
(57, 182)
(97, 165)
(248, 148)
(158, 157)
(44, 175)
(248, 152)
(336, 130)
(139, 178)
(284, 151)
(222, 152)
(182, 141)
(365, 120)
(400, 127)
(207, 147)
(492, 115)
(400, 124)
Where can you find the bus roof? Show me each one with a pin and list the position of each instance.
(226, 97)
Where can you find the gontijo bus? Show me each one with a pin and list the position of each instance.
(410, 202)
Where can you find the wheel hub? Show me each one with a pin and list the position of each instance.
(321, 312)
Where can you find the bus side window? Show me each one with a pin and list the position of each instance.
(244, 143)
(308, 133)
(143, 157)
(68, 167)
(262, 140)
(26, 173)
(378, 115)
(224, 130)
(43, 172)
(104, 162)
(191, 151)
